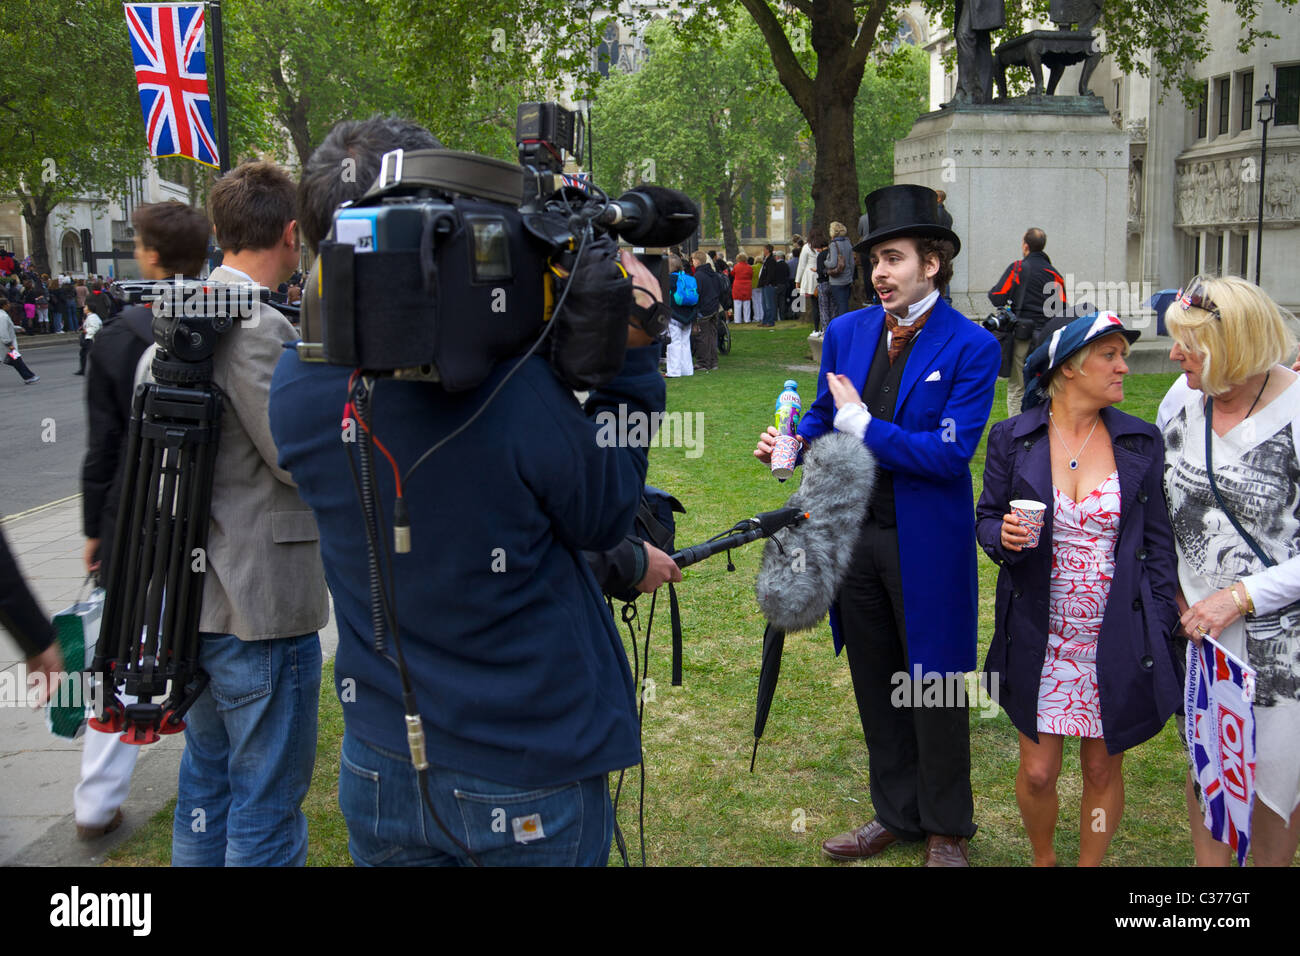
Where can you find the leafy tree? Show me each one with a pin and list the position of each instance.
(887, 105)
(467, 64)
(69, 115)
(305, 64)
(708, 119)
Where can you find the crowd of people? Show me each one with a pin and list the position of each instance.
(1146, 535)
(34, 303)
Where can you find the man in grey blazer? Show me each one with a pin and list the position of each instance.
(250, 743)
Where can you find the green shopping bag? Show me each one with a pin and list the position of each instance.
(77, 631)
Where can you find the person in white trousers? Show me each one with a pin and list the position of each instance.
(106, 768)
(679, 331)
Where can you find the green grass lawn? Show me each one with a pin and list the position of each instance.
(702, 805)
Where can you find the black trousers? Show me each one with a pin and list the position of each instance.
(919, 751)
(20, 365)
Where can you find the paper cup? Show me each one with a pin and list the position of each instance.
(784, 456)
(1030, 514)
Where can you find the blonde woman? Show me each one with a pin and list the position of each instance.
(839, 268)
(1238, 538)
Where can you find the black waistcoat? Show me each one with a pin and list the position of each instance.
(881, 397)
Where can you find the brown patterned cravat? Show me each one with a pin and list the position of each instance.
(899, 335)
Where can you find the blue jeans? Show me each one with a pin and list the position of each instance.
(768, 294)
(250, 746)
(840, 295)
(389, 824)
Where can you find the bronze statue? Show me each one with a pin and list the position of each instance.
(975, 22)
(1057, 49)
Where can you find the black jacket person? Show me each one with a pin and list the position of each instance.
(1036, 293)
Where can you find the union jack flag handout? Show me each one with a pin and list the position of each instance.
(167, 45)
(1220, 734)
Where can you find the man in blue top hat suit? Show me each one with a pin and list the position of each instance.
(913, 379)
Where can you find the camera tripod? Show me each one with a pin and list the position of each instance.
(150, 632)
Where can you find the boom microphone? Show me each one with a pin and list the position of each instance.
(652, 216)
(804, 565)
(762, 525)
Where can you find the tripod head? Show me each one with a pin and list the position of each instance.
(190, 315)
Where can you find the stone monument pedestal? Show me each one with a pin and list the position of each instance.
(1055, 162)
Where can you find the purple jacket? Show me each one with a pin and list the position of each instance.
(1138, 659)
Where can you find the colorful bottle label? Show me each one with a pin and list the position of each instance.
(788, 409)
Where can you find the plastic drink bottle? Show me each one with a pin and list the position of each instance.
(788, 408)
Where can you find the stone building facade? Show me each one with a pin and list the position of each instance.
(105, 222)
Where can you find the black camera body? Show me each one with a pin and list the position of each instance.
(1003, 320)
(445, 286)
(452, 262)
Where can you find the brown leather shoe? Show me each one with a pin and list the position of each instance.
(859, 844)
(94, 833)
(945, 851)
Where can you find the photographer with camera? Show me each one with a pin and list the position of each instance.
(1028, 286)
(250, 743)
(518, 673)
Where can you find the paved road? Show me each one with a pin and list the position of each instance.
(42, 430)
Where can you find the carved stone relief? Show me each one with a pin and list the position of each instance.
(1225, 190)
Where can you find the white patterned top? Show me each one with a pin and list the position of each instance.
(1257, 471)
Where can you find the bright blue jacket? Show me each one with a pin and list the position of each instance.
(943, 405)
(519, 673)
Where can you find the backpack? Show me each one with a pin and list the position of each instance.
(686, 291)
(841, 260)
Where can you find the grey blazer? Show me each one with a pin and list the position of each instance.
(264, 574)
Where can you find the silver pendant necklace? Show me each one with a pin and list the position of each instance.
(1074, 456)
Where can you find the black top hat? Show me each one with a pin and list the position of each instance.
(904, 210)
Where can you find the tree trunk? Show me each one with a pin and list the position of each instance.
(727, 216)
(835, 179)
(293, 113)
(36, 209)
(841, 39)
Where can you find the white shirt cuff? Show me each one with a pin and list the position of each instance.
(853, 420)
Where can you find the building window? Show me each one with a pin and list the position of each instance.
(1247, 86)
(1244, 239)
(1224, 108)
(1203, 112)
(1288, 96)
(1219, 264)
(1196, 255)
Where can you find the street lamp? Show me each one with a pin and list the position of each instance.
(1265, 106)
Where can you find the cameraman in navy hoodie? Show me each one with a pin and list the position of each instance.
(519, 675)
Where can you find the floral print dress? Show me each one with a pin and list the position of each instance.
(1083, 564)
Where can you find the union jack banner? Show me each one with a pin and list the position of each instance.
(167, 45)
(1221, 741)
(580, 181)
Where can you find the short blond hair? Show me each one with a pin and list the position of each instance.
(1056, 381)
(1249, 336)
(838, 229)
